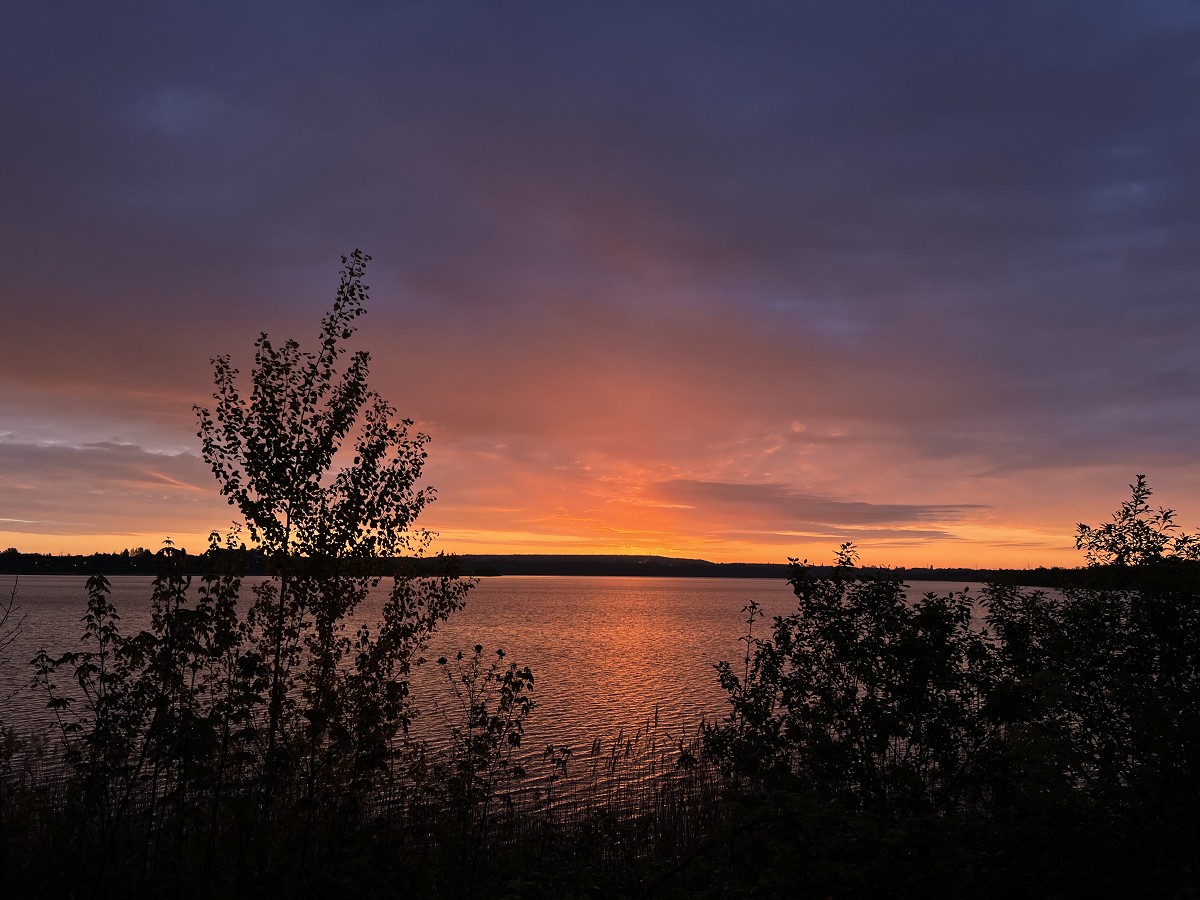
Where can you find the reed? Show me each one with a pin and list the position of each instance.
(625, 804)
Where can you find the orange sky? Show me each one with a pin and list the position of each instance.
(676, 281)
(578, 463)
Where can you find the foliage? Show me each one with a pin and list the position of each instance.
(321, 520)
(486, 723)
(859, 694)
(1097, 695)
(274, 452)
(1022, 743)
(11, 621)
(492, 703)
(217, 720)
(1137, 534)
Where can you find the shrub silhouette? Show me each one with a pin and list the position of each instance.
(321, 522)
(1137, 534)
(216, 725)
(1018, 743)
(859, 694)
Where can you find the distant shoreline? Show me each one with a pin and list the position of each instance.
(144, 562)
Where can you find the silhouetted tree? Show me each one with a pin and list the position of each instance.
(1022, 743)
(207, 726)
(861, 695)
(325, 477)
(1137, 534)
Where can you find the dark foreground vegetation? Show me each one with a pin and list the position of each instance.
(257, 743)
(1011, 744)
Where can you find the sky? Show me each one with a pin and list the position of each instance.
(731, 281)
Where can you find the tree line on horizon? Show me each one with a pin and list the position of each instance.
(142, 561)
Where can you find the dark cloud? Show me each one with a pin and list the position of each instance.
(775, 502)
(877, 537)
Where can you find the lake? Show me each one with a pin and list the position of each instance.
(608, 654)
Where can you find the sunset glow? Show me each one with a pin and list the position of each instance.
(695, 285)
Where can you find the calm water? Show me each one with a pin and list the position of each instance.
(607, 653)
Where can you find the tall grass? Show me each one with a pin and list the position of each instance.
(610, 810)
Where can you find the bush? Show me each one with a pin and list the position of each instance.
(262, 729)
(1024, 742)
